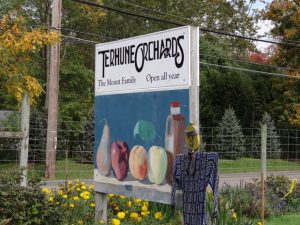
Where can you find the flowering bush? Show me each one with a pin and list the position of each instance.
(123, 210)
(76, 200)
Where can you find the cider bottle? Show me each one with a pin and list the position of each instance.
(174, 137)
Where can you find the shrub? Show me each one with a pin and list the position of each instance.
(25, 205)
(246, 197)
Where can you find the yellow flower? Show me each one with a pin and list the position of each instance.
(82, 183)
(70, 182)
(144, 208)
(259, 223)
(234, 216)
(122, 197)
(92, 205)
(75, 198)
(77, 180)
(111, 195)
(115, 221)
(71, 205)
(60, 192)
(137, 200)
(158, 215)
(91, 187)
(50, 199)
(86, 197)
(80, 222)
(45, 190)
(78, 189)
(121, 215)
(129, 203)
(83, 187)
(101, 222)
(65, 196)
(57, 203)
(134, 215)
(145, 213)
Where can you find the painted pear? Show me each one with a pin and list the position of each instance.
(103, 158)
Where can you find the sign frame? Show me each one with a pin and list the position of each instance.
(162, 195)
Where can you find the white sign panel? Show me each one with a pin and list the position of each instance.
(157, 61)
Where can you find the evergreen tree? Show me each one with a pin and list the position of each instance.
(273, 142)
(230, 138)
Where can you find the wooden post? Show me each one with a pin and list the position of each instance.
(194, 70)
(53, 87)
(25, 114)
(101, 207)
(263, 169)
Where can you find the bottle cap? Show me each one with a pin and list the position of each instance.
(175, 104)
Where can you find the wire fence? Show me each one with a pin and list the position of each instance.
(239, 152)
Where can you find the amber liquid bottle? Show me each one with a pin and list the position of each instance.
(174, 137)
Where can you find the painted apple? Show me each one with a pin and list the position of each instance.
(157, 164)
(138, 162)
(119, 158)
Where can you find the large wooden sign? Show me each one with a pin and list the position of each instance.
(146, 91)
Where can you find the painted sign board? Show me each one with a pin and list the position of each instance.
(142, 105)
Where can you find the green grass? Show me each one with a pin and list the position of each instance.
(71, 169)
(253, 165)
(291, 219)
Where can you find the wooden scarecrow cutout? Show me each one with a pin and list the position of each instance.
(192, 173)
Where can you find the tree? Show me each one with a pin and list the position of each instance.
(273, 142)
(17, 47)
(285, 17)
(229, 138)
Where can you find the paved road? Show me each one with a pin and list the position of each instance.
(230, 178)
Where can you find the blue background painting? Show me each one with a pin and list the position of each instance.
(123, 111)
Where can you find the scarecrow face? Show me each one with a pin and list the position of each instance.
(192, 138)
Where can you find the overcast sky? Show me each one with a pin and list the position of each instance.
(264, 26)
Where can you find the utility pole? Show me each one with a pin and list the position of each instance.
(53, 87)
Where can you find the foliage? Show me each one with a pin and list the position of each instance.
(137, 211)
(229, 137)
(273, 142)
(25, 205)
(75, 200)
(246, 197)
(227, 215)
(285, 18)
(16, 48)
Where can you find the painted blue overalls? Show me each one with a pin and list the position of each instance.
(192, 173)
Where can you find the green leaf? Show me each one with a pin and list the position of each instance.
(146, 130)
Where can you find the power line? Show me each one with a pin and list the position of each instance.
(153, 10)
(119, 10)
(289, 44)
(250, 71)
(79, 39)
(88, 33)
(249, 62)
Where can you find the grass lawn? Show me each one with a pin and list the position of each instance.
(291, 219)
(71, 169)
(253, 165)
